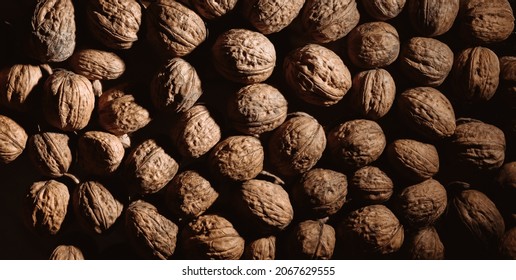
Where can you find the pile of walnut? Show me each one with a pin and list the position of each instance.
(262, 129)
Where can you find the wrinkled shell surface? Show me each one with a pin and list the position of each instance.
(16, 85)
(416, 161)
(95, 207)
(263, 248)
(212, 237)
(371, 185)
(373, 93)
(151, 234)
(506, 179)
(313, 240)
(425, 244)
(212, 9)
(66, 252)
(50, 153)
(432, 18)
(97, 64)
(317, 75)
(244, 56)
(383, 9)
(271, 16)
(422, 204)
(13, 139)
(100, 153)
(507, 85)
(46, 206)
(508, 244)
(486, 21)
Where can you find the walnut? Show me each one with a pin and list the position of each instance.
(213, 9)
(257, 108)
(507, 245)
(426, 61)
(271, 16)
(313, 240)
(424, 244)
(100, 153)
(356, 143)
(383, 9)
(18, 82)
(373, 93)
(507, 85)
(244, 56)
(506, 180)
(13, 139)
(97, 64)
(212, 237)
(416, 161)
(50, 153)
(432, 18)
(66, 252)
(373, 45)
(371, 185)
(326, 21)
(263, 248)
(317, 75)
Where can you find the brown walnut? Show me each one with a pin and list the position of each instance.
(66, 252)
(507, 85)
(383, 9)
(46, 206)
(424, 244)
(213, 9)
(416, 161)
(97, 64)
(371, 185)
(263, 248)
(312, 240)
(50, 153)
(432, 18)
(373, 93)
(18, 82)
(13, 139)
(271, 16)
(507, 246)
(100, 153)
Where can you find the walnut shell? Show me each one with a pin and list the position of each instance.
(95, 207)
(237, 158)
(427, 111)
(150, 233)
(317, 75)
(424, 244)
(507, 246)
(371, 185)
(13, 139)
(264, 206)
(212, 237)
(372, 230)
(149, 167)
(383, 9)
(356, 143)
(263, 248)
(422, 204)
(195, 132)
(213, 9)
(476, 75)
(100, 153)
(50, 153)
(373, 45)
(426, 61)
(432, 18)
(506, 180)
(46, 206)
(52, 37)
(507, 85)
(373, 93)
(326, 21)
(416, 161)
(297, 145)
(114, 23)
(257, 108)
(320, 192)
(18, 82)
(486, 21)
(189, 195)
(97, 64)
(119, 113)
(175, 87)
(174, 29)
(271, 16)
(66, 252)
(244, 56)
(312, 240)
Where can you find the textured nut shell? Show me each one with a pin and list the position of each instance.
(312, 240)
(46, 206)
(373, 93)
(297, 145)
(212, 9)
(422, 204)
(120, 114)
(195, 132)
(383, 9)
(373, 229)
(426, 61)
(373, 45)
(151, 234)
(175, 87)
(320, 192)
(173, 28)
(432, 18)
(356, 143)
(427, 111)
(480, 216)
(212, 237)
(478, 146)
(115, 23)
(150, 167)
(50, 153)
(416, 161)
(317, 75)
(13, 139)
(237, 158)
(100, 153)
(95, 207)
(271, 16)
(486, 21)
(371, 185)
(97, 64)
(476, 75)
(425, 244)
(66, 252)
(189, 195)
(508, 244)
(257, 108)
(68, 101)
(52, 37)
(508, 80)
(263, 248)
(16, 85)
(244, 56)
(506, 179)
(326, 21)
